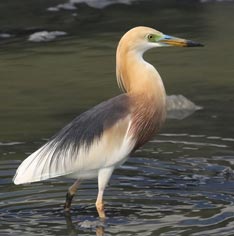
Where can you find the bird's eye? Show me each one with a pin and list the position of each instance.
(150, 36)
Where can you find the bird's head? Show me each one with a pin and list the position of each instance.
(142, 38)
(131, 49)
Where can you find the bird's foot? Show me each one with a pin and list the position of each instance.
(100, 210)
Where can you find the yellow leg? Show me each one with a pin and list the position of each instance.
(103, 178)
(70, 194)
(100, 205)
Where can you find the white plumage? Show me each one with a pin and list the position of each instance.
(44, 163)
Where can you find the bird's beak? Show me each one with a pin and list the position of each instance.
(168, 40)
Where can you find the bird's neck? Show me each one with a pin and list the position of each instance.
(137, 77)
(145, 88)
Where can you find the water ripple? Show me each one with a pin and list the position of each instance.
(163, 189)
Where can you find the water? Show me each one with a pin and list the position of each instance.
(181, 182)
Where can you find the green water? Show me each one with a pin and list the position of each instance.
(176, 184)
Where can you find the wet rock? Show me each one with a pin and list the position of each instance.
(90, 224)
(179, 107)
(99, 4)
(66, 6)
(19, 32)
(5, 35)
(227, 173)
(45, 36)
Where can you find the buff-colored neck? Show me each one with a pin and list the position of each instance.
(137, 77)
(144, 86)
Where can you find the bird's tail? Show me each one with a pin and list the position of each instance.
(40, 165)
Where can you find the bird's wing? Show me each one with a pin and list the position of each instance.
(96, 139)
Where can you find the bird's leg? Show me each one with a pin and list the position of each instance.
(70, 194)
(100, 205)
(103, 178)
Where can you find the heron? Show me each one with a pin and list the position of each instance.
(101, 139)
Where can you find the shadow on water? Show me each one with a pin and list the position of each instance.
(181, 182)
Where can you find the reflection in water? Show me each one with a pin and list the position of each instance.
(176, 183)
(100, 231)
(71, 227)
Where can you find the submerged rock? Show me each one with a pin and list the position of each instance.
(179, 107)
(45, 36)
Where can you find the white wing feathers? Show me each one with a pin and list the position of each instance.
(42, 165)
(96, 139)
(111, 149)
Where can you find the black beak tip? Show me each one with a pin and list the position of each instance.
(194, 44)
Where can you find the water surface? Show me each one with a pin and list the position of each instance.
(181, 182)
